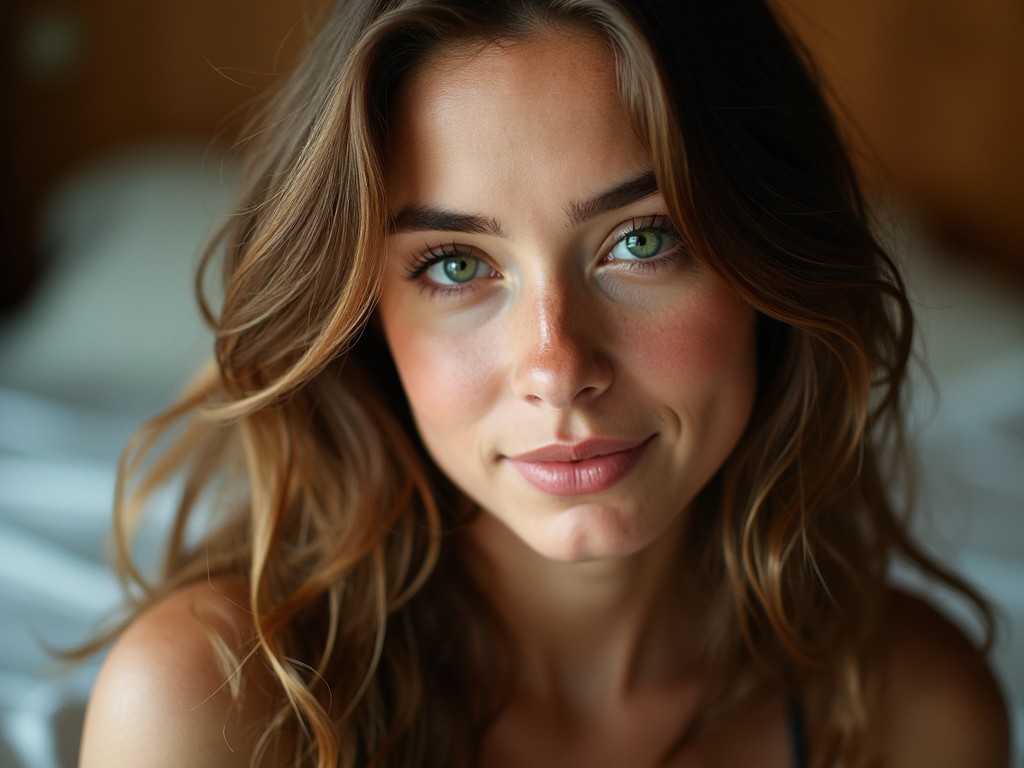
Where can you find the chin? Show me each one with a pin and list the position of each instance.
(591, 532)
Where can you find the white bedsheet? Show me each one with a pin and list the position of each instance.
(106, 342)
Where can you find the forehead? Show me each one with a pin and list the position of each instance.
(552, 97)
(517, 67)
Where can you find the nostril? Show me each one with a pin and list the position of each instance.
(558, 357)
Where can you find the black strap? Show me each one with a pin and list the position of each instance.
(798, 736)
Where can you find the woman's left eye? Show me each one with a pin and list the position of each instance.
(644, 242)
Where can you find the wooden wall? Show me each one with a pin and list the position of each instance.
(86, 76)
(931, 96)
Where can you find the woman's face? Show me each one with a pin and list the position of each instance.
(570, 365)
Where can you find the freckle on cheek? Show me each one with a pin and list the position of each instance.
(695, 344)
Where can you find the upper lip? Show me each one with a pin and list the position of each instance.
(585, 449)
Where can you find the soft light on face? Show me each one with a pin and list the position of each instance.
(570, 365)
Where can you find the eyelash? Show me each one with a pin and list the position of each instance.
(659, 224)
(422, 262)
(434, 254)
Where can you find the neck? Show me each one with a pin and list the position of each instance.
(589, 635)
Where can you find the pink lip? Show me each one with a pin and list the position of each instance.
(579, 468)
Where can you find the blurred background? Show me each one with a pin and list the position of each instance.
(116, 160)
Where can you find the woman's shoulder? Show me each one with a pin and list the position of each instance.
(163, 698)
(941, 704)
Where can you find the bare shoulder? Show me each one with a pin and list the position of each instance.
(943, 708)
(161, 698)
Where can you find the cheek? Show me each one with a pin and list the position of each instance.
(446, 380)
(704, 342)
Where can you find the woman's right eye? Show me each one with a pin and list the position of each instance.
(455, 269)
(449, 271)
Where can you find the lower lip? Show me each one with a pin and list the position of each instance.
(576, 478)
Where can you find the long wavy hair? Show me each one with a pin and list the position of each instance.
(299, 447)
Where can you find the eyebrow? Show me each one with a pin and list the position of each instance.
(629, 191)
(426, 218)
(415, 218)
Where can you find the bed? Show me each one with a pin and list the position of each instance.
(106, 341)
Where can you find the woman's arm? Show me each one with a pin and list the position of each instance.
(943, 708)
(161, 700)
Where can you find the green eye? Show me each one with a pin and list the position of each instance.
(639, 244)
(643, 245)
(454, 270)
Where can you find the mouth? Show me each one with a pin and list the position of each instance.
(573, 469)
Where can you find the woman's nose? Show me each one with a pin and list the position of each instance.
(559, 351)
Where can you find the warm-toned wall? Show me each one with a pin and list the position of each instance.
(930, 91)
(89, 75)
(932, 96)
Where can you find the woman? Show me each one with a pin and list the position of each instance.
(557, 371)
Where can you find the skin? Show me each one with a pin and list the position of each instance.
(563, 336)
(161, 700)
(554, 341)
